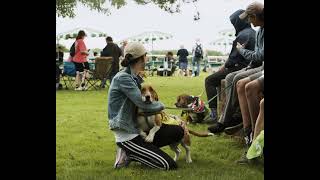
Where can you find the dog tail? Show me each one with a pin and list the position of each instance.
(202, 134)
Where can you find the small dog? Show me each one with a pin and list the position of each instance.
(200, 112)
(186, 73)
(151, 123)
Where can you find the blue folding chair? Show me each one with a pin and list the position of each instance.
(68, 74)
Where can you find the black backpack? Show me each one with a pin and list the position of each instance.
(198, 51)
(73, 50)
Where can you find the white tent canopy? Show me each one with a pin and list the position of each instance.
(71, 34)
(149, 36)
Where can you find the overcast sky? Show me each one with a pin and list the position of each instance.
(134, 19)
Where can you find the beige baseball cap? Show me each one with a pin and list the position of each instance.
(135, 49)
(253, 8)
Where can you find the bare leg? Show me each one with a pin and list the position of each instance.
(243, 102)
(260, 121)
(253, 95)
(85, 75)
(77, 81)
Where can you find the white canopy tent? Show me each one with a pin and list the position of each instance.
(149, 36)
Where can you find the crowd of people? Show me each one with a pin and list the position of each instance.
(81, 56)
(244, 74)
(244, 89)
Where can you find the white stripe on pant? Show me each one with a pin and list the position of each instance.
(146, 155)
(157, 155)
(137, 158)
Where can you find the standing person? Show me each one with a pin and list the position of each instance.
(183, 60)
(205, 60)
(124, 97)
(124, 44)
(80, 61)
(115, 52)
(197, 56)
(244, 34)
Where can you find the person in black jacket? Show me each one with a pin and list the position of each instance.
(115, 52)
(183, 59)
(245, 35)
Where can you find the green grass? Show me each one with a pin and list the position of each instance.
(85, 147)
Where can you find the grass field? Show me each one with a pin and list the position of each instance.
(85, 147)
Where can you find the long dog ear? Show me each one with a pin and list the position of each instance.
(154, 94)
(178, 99)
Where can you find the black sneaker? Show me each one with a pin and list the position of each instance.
(216, 128)
(233, 129)
(243, 160)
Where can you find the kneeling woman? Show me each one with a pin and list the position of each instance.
(123, 99)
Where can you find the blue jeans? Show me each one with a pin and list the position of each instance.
(104, 81)
(196, 62)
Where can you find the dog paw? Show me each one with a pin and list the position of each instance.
(143, 135)
(189, 160)
(149, 139)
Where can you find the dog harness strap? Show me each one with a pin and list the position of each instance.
(198, 108)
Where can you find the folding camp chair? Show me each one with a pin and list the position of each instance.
(101, 71)
(68, 74)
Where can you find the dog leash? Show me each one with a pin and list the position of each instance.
(215, 95)
(206, 103)
(184, 109)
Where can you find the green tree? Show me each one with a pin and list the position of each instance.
(64, 48)
(65, 8)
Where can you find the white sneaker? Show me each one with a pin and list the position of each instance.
(121, 159)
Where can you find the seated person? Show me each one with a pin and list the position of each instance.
(259, 126)
(235, 61)
(249, 95)
(168, 66)
(57, 76)
(255, 13)
(95, 55)
(59, 54)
